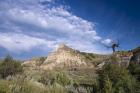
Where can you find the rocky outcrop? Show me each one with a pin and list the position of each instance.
(63, 56)
(35, 62)
(136, 55)
(124, 57)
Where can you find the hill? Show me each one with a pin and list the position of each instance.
(66, 57)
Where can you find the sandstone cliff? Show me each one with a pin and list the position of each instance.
(63, 56)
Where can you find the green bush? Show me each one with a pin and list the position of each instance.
(9, 66)
(62, 78)
(116, 79)
(55, 77)
(21, 84)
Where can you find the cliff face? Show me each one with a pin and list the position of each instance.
(64, 56)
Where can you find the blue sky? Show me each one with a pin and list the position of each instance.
(30, 28)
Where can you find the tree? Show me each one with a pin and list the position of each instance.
(9, 66)
(113, 44)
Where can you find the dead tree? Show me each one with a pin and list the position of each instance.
(112, 45)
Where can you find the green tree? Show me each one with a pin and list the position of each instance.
(9, 66)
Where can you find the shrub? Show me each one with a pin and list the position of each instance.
(55, 77)
(62, 78)
(9, 66)
(116, 79)
(21, 84)
(56, 88)
(47, 78)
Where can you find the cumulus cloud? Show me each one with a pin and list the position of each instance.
(55, 18)
(107, 42)
(20, 42)
(37, 25)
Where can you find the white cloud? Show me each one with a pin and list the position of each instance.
(107, 41)
(61, 21)
(20, 42)
(55, 23)
(48, 0)
(56, 18)
(27, 16)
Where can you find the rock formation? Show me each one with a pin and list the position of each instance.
(136, 55)
(63, 56)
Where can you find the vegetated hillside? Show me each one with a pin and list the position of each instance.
(79, 66)
(66, 57)
(71, 71)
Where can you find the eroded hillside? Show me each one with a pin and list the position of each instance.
(66, 57)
